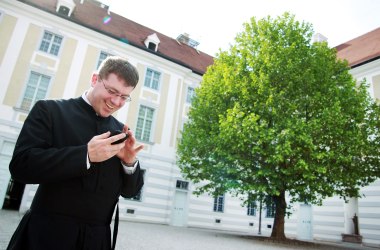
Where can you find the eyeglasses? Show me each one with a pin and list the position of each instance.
(125, 98)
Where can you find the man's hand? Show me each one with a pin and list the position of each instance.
(129, 152)
(99, 148)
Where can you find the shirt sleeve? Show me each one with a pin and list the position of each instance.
(130, 169)
(88, 163)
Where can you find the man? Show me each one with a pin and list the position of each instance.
(65, 146)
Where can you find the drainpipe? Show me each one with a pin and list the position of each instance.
(260, 209)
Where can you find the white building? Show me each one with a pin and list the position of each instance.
(49, 48)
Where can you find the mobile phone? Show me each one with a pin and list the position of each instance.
(116, 132)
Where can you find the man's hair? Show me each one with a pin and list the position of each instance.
(120, 67)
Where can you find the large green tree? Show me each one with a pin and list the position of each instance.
(279, 116)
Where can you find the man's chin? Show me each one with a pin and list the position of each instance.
(105, 114)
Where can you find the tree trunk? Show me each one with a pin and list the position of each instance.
(278, 231)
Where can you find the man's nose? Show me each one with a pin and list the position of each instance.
(117, 101)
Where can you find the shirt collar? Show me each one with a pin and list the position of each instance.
(84, 96)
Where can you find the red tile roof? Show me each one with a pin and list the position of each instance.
(361, 50)
(357, 51)
(90, 14)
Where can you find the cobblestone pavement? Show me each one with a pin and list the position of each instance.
(147, 236)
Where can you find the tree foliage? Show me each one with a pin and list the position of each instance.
(279, 115)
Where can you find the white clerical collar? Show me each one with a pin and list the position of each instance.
(84, 96)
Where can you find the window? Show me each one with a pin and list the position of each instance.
(64, 10)
(152, 79)
(103, 55)
(190, 94)
(270, 207)
(144, 123)
(251, 209)
(152, 46)
(219, 203)
(184, 185)
(51, 43)
(36, 89)
(152, 41)
(138, 196)
(130, 211)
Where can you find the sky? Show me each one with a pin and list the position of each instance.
(215, 23)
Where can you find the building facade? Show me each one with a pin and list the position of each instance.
(49, 49)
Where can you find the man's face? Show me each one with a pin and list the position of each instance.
(108, 95)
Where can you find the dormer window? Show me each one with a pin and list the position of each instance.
(65, 7)
(152, 46)
(64, 10)
(152, 41)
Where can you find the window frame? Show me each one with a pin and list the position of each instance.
(252, 208)
(149, 84)
(143, 129)
(219, 202)
(182, 185)
(28, 85)
(270, 208)
(101, 59)
(190, 93)
(51, 45)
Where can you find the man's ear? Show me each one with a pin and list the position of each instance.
(94, 79)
